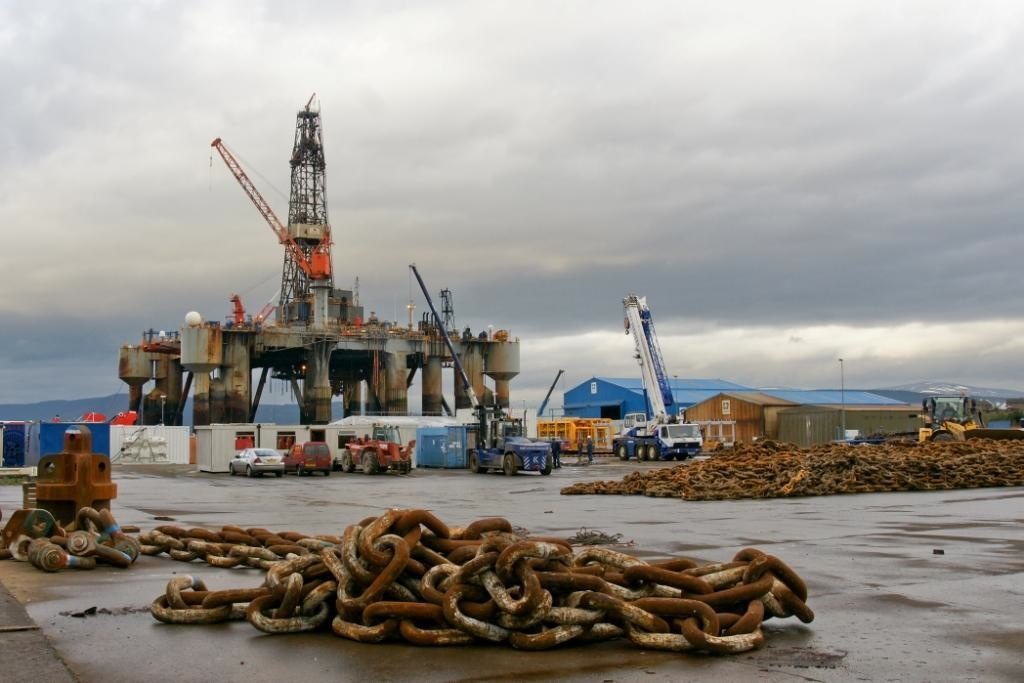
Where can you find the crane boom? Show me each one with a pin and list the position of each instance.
(652, 365)
(544, 403)
(317, 265)
(466, 384)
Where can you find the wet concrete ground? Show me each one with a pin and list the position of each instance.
(888, 607)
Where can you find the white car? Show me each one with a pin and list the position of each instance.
(257, 461)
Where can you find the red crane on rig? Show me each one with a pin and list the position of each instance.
(307, 273)
(317, 264)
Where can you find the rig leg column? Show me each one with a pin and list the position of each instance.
(396, 393)
(237, 381)
(201, 399)
(318, 383)
(432, 388)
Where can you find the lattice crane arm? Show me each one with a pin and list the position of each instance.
(318, 267)
(648, 350)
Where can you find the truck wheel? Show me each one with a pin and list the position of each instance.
(680, 456)
(653, 452)
(943, 436)
(474, 463)
(548, 464)
(623, 452)
(327, 472)
(370, 464)
(299, 471)
(641, 452)
(346, 462)
(508, 464)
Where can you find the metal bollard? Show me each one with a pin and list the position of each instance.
(75, 478)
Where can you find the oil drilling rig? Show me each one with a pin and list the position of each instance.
(318, 342)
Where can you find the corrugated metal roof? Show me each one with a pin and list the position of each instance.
(677, 383)
(859, 408)
(686, 398)
(758, 398)
(683, 399)
(836, 397)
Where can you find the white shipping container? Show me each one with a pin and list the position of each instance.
(149, 444)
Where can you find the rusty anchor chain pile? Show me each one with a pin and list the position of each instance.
(773, 470)
(93, 537)
(232, 546)
(406, 576)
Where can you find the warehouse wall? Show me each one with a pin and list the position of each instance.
(810, 425)
(749, 417)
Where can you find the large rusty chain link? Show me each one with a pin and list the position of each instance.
(407, 576)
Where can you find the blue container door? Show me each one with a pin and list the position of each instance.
(455, 453)
(432, 451)
(14, 445)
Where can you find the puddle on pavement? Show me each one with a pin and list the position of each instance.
(802, 658)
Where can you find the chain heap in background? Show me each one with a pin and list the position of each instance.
(406, 576)
(774, 470)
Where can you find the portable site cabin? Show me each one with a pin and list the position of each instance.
(217, 444)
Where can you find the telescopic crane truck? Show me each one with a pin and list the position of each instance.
(661, 436)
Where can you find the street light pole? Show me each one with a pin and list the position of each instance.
(842, 397)
(163, 402)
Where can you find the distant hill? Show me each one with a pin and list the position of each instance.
(71, 409)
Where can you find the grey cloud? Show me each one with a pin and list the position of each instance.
(741, 165)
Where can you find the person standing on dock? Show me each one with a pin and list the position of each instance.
(590, 449)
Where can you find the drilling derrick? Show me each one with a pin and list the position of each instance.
(307, 215)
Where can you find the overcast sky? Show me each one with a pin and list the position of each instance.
(787, 182)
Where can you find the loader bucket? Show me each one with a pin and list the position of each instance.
(997, 434)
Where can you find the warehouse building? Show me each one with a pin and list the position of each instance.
(755, 413)
(809, 424)
(804, 417)
(613, 398)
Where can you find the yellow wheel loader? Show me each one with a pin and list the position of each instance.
(957, 418)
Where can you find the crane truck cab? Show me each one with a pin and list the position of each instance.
(650, 440)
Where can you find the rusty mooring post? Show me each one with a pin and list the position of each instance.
(75, 478)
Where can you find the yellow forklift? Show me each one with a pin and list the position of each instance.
(957, 418)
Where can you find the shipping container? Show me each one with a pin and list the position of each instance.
(13, 444)
(442, 447)
(51, 437)
(151, 444)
